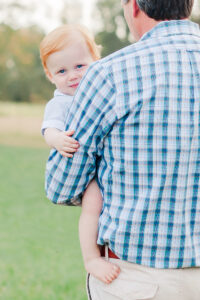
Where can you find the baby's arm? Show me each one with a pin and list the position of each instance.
(53, 126)
(61, 141)
(91, 208)
(88, 230)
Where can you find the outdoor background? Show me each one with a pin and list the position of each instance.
(40, 256)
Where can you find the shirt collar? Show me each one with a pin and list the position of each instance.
(174, 27)
(59, 93)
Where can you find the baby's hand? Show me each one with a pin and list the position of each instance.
(65, 144)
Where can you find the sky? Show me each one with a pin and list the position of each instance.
(44, 13)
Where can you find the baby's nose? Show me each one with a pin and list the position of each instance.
(72, 75)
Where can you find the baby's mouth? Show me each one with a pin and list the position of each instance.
(75, 85)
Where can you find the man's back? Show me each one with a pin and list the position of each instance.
(151, 156)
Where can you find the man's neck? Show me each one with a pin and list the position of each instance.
(145, 24)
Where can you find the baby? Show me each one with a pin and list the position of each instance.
(66, 53)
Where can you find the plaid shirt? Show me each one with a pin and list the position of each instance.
(136, 115)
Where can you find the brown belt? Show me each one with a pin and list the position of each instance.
(110, 253)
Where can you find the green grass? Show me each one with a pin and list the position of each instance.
(20, 124)
(40, 256)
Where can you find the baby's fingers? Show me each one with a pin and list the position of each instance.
(70, 141)
(69, 138)
(69, 149)
(70, 145)
(69, 132)
(66, 154)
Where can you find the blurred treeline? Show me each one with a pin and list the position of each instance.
(21, 75)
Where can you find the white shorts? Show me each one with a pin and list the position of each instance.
(137, 282)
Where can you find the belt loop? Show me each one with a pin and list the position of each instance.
(88, 287)
(106, 250)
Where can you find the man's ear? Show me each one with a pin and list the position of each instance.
(135, 8)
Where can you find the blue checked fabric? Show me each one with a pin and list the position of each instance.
(136, 115)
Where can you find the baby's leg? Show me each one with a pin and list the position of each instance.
(88, 228)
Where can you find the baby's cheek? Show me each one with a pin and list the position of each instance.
(83, 72)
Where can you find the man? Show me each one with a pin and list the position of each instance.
(136, 116)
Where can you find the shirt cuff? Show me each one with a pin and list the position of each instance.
(52, 124)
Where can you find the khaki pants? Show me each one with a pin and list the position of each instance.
(137, 282)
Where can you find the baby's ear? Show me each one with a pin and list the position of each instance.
(49, 76)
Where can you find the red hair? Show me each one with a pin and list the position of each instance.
(60, 37)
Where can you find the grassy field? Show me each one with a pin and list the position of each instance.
(40, 256)
(20, 124)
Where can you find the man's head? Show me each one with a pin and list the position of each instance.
(161, 10)
(143, 15)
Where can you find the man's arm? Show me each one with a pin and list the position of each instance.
(91, 116)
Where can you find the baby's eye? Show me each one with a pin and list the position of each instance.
(62, 71)
(79, 66)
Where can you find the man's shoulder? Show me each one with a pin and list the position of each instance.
(133, 50)
(162, 37)
(119, 54)
(107, 66)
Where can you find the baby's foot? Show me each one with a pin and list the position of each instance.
(102, 269)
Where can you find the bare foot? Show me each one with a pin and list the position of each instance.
(102, 269)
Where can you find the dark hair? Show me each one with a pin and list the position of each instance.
(166, 9)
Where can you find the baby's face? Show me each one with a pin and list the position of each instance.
(67, 66)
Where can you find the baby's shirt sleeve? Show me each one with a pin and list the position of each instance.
(55, 112)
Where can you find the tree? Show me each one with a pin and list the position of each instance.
(21, 74)
(114, 33)
(196, 12)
